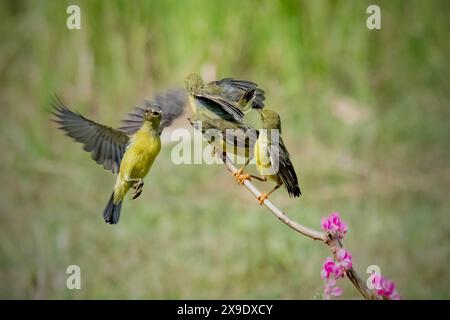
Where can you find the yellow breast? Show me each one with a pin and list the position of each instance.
(140, 154)
(261, 154)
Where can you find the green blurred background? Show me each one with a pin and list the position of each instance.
(365, 116)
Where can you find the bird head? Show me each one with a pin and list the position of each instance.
(270, 119)
(153, 116)
(194, 83)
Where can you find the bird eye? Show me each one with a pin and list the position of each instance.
(155, 113)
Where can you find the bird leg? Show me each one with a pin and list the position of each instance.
(240, 176)
(137, 185)
(246, 176)
(265, 196)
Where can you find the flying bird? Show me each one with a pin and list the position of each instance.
(128, 151)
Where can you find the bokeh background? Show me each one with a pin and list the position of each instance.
(365, 116)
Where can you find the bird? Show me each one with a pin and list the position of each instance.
(236, 137)
(272, 158)
(269, 151)
(221, 104)
(227, 98)
(128, 151)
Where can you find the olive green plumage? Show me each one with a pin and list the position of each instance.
(264, 145)
(227, 98)
(221, 105)
(271, 152)
(128, 151)
(235, 137)
(171, 104)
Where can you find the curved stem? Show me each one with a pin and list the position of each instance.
(327, 239)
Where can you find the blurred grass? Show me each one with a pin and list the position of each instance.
(365, 116)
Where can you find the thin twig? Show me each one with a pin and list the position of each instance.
(326, 238)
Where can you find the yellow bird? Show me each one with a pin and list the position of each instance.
(130, 150)
(143, 148)
(272, 157)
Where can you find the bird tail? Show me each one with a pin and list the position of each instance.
(111, 214)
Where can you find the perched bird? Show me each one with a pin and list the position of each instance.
(269, 151)
(227, 98)
(272, 158)
(130, 150)
(221, 105)
(235, 137)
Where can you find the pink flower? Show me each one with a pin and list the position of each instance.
(395, 296)
(333, 270)
(344, 259)
(385, 287)
(334, 225)
(328, 268)
(331, 289)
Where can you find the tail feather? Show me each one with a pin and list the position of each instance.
(111, 214)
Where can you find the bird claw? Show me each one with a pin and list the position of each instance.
(240, 177)
(136, 194)
(137, 189)
(237, 174)
(262, 198)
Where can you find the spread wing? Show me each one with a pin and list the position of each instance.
(171, 104)
(244, 92)
(234, 96)
(220, 106)
(286, 171)
(106, 145)
(217, 111)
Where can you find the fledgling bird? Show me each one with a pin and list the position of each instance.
(266, 153)
(272, 158)
(227, 98)
(235, 137)
(222, 104)
(130, 150)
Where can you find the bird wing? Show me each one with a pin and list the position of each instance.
(171, 104)
(236, 134)
(220, 106)
(286, 171)
(242, 91)
(233, 96)
(210, 108)
(106, 145)
(241, 136)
